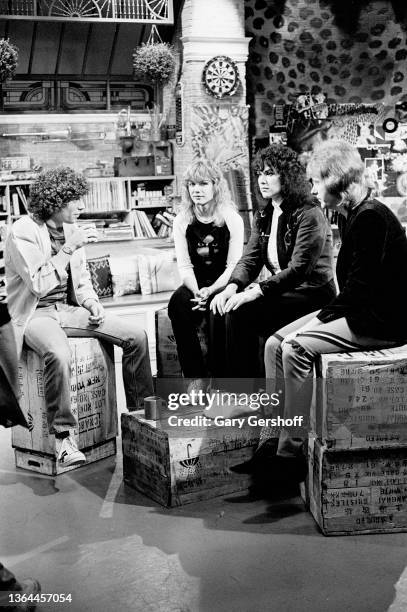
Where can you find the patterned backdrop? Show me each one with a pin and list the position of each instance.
(298, 46)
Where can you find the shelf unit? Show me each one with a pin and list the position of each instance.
(13, 206)
(108, 196)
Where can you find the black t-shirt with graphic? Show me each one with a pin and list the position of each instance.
(208, 246)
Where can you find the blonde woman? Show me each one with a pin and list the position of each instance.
(208, 236)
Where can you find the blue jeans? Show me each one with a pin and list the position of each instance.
(289, 358)
(47, 334)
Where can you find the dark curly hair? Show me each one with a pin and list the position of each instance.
(53, 189)
(295, 187)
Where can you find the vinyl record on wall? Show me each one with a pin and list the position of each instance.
(390, 125)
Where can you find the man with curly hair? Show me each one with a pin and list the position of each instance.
(291, 244)
(50, 297)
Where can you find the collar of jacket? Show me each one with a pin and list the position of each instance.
(268, 209)
(68, 228)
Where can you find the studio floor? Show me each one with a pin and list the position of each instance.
(88, 534)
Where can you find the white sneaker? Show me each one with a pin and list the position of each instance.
(67, 452)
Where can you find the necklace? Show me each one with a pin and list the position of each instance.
(203, 218)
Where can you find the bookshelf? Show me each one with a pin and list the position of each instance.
(121, 207)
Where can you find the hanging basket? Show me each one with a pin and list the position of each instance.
(8, 65)
(154, 62)
(8, 60)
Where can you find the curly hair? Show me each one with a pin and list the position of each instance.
(295, 187)
(205, 170)
(53, 189)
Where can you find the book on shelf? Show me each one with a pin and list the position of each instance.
(117, 231)
(138, 231)
(3, 204)
(163, 219)
(164, 231)
(105, 195)
(19, 203)
(23, 198)
(15, 204)
(145, 224)
(142, 225)
(3, 234)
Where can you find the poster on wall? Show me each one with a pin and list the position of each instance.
(366, 126)
(219, 133)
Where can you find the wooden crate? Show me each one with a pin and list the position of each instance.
(93, 401)
(357, 491)
(175, 466)
(46, 464)
(361, 399)
(168, 365)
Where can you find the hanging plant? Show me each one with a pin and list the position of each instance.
(8, 60)
(154, 62)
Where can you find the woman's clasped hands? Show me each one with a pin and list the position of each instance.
(200, 298)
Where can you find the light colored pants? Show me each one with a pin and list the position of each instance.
(47, 334)
(289, 358)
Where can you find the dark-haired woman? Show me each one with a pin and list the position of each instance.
(292, 240)
(370, 309)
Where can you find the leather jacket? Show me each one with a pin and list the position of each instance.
(372, 273)
(304, 249)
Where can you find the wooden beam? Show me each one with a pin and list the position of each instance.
(59, 53)
(158, 22)
(143, 33)
(86, 52)
(170, 12)
(113, 49)
(99, 78)
(33, 43)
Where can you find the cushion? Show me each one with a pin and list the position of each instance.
(100, 275)
(157, 273)
(125, 275)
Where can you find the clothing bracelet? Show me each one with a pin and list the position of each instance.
(67, 250)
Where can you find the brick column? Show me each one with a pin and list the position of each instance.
(209, 28)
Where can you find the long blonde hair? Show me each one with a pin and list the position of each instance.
(206, 170)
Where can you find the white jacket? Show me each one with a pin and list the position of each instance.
(31, 272)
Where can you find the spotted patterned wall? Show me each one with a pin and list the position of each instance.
(297, 47)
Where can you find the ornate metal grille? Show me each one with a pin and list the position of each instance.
(142, 11)
(65, 96)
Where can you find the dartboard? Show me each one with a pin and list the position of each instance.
(220, 76)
